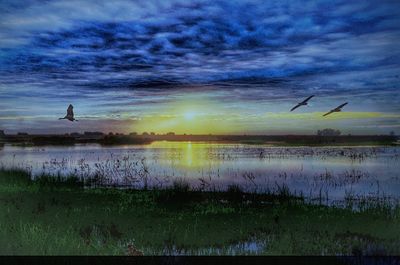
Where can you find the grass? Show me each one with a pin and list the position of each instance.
(62, 217)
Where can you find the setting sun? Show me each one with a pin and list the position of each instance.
(190, 115)
(200, 116)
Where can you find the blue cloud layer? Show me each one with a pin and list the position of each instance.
(199, 41)
(275, 49)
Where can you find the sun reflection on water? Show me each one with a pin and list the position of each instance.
(185, 154)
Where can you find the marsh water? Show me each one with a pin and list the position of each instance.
(329, 172)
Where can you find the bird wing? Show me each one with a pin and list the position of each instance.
(295, 107)
(326, 114)
(70, 111)
(307, 99)
(341, 106)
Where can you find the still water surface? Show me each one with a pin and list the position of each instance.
(332, 172)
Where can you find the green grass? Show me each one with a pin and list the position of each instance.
(61, 217)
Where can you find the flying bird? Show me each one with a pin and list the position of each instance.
(337, 109)
(70, 114)
(303, 103)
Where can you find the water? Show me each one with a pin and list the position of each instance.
(329, 172)
(251, 246)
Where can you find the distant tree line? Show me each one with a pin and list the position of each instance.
(329, 132)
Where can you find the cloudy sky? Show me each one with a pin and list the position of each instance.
(199, 66)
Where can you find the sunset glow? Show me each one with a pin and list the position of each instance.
(222, 67)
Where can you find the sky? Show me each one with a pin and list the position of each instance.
(199, 67)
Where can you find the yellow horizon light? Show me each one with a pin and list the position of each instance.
(189, 115)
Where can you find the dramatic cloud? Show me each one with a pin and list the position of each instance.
(133, 56)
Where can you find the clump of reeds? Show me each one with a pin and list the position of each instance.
(179, 192)
(71, 181)
(234, 193)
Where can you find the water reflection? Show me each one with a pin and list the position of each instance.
(334, 172)
(186, 155)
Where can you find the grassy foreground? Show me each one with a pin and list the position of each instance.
(63, 218)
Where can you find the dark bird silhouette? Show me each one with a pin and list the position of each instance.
(337, 109)
(70, 114)
(303, 103)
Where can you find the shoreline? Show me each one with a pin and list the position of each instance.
(273, 140)
(263, 144)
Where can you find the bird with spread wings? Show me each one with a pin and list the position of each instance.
(337, 109)
(303, 103)
(70, 114)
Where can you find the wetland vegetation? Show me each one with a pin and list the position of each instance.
(66, 216)
(170, 198)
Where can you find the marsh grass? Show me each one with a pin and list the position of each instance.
(65, 218)
(14, 176)
(126, 170)
(46, 181)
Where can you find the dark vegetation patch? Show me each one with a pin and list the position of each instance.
(50, 217)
